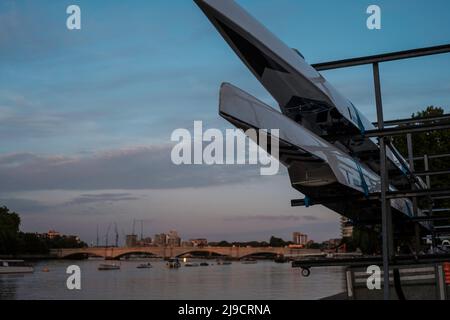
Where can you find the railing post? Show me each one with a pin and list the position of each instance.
(385, 203)
(409, 143)
(426, 163)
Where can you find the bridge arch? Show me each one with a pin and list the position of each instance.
(80, 255)
(128, 253)
(259, 253)
(209, 251)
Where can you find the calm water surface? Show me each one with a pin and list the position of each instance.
(264, 280)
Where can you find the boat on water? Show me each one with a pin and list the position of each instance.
(95, 258)
(108, 267)
(191, 264)
(249, 261)
(204, 264)
(223, 263)
(280, 259)
(145, 266)
(15, 266)
(173, 263)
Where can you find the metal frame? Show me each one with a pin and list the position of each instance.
(389, 132)
(367, 261)
(405, 126)
(408, 54)
(375, 196)
(414, 120)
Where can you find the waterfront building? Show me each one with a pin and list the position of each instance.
(131, 240)
(296, 246)
(199, 242)
(299, 238)
(160, 240)
(187, 244)
(173, 240)
(52, 234)
(346, 227)
(146, 242)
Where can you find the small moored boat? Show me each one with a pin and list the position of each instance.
(280, 259)
(191, 264)
(15, 266)
(249, 261)
(108, 267)
(173, 263)
(145, 266)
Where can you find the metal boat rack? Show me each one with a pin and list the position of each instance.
(385, 130)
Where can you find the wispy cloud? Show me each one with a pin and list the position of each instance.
(124, 169)
(103, 197)
(273, 218)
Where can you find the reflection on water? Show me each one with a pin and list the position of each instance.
(264, 280)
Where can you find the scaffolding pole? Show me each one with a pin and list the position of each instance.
(409, 143)
(385, 203)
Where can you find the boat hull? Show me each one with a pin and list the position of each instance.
(316, 167)
(302, 93)
(16, 270)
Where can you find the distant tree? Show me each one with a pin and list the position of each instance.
(350, 244)
(276, 242)
(67, 242)
(9, 229)
(222, 243)
(32, 243)
(435, 142)
(263, 244)
(429, 143)
(314, 245)
(13, 242)
(367, 239)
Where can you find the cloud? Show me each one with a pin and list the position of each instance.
(16, 159)
(24, 205)
(124, 169)
(103, 197)
(272, 218)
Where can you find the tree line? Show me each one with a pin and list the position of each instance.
(14, 242)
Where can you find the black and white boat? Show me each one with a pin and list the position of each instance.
(15, 266)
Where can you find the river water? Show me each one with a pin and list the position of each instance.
(264, 280)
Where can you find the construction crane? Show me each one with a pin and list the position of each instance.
(97, 240)
(107, 235)
(117, 235)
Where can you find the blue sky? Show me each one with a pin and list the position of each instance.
(109, 96)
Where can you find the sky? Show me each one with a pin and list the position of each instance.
(86, 115)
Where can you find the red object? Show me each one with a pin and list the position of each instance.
(447, 272)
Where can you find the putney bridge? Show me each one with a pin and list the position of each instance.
(168, 252)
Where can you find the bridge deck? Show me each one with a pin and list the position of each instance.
(167, 252)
